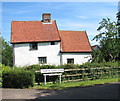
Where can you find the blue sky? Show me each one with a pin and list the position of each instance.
(79, 16)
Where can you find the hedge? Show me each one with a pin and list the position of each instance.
(39, 77)
(90, 73)
(25, 76)
(74, 66)
(17, 78)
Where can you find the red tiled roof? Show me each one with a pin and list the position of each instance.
(33, 31)
(74, 41)
(36, 31)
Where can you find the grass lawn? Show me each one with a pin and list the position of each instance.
(65, 85)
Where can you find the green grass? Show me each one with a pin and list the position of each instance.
(64, 85)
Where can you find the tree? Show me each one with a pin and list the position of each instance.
(6, 52)
(118, 17)
(118, 22)
(109, 41)
(0, 48)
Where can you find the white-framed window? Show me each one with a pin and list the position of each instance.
(33, 46)
(42, 60)
(70, 60)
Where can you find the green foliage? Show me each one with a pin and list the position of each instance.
(91, 65)
(0, 48)
(38, 76)
(17, 78)
(68, 66)
(38, 67)
(103, 64)
(109, 42)
(85, 72)
(4, 68)
(92, 71)
(6, 53)
(112, 64)
(89, 71)
(0, 75)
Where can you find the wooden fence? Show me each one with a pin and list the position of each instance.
(81, 74)
(89, 73)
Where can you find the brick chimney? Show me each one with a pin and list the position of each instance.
(46, 17)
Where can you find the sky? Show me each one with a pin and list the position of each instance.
(76, 16)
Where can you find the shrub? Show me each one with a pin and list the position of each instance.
(69, 66)
(17, 78)
(38, 67)
(38, 77)
(86, 68)
(5, 68)
(112, 64)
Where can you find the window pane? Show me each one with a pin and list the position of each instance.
(70, 61)
(52, 43)
(42, 60)
(33, 46)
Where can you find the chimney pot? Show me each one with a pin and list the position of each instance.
(46, 17)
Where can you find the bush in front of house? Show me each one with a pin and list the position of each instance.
(39, 77)
(5, 68)
(104, 64)
(18, 78)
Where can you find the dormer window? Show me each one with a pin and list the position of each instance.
(33, 46)
(52, 43)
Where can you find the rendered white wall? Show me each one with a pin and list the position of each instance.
(79, 58)
(23, 56)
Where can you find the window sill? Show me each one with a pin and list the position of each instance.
(33, 49)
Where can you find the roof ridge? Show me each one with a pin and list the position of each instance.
(72, 30)
(23, 21)
(29, 21)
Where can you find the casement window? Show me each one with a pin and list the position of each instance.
(33, 46)
(70, 61)
(42, 60)
(52, 43)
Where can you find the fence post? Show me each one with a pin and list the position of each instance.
(60, 79)
(45, 79)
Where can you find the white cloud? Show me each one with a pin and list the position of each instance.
(94, 42)
(91, 34)
(75, 25)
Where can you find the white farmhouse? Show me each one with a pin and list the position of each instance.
(40, 42)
